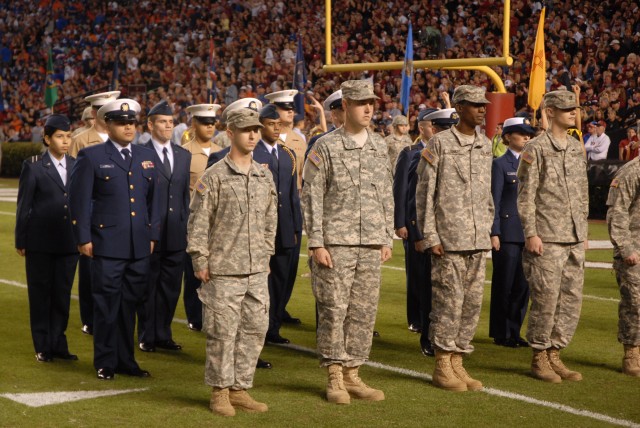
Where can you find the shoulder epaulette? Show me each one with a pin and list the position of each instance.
(35, 158)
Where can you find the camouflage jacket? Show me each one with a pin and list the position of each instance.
(553, 194)
(346, 198)
(623, 216)
(454, 205)
(233, 220)
(395, 146)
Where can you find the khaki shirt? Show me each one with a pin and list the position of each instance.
(198, 160)
(395, 145)
(299, 147)
(346, 198)
(84, 139)
(553, 192)
(233, 220)
(454, 205)
(623, 216)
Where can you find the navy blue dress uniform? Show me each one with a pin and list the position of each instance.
(509, 287)
(43, 235)
(113, 207)
(281, 160)
(167, 261)
(402, 194)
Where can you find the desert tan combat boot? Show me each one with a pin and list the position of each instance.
(558, 366)
(461, 373)
(356, 387)
(220, 402)
(336, 392)
(541, 368)
(631, 361)
(244, 401)
(443, 375)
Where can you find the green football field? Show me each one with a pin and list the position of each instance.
(175, 395)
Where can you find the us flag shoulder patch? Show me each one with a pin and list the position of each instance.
(615, 182)
(428, 156)
(315, 158)
(200, 187)
(528, 157)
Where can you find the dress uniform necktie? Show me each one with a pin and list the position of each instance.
(127, 156)
(165, 162)
(274, 155)
(63, 173)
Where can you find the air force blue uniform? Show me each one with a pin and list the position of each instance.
(167, 260)
(43, 229)
(509, 288)
(114, 206)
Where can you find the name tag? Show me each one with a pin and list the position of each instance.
(107, 166)
(511, 173)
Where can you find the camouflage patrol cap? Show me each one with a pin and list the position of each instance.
(358, 90)
(560, 99)
(400, 120)
(471, 94)
(243, 118)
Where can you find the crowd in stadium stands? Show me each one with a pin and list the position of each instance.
(162, 50)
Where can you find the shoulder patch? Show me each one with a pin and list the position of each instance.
(315, 158)
(528, 157)
(201, 187)
(615, 182)
(428, 156)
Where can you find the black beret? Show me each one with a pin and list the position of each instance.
(58, 121)
(162, 108)
(269, 112)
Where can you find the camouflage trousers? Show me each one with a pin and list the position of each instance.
(236, 318)
(629, 308)
(347, 299)
(457, 280)
(555, 281)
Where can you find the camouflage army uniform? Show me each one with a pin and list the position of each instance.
(348, 209)
(395, 145)
(222, 140)
(553, 204)
(231, 232)
(623, 219)
(455, 208)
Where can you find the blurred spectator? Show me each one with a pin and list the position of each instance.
(629, 146)
(597, 146)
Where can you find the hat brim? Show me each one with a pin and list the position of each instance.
(119, 117)
(249, 124)
(520, 128)
(285, 106)
(360, 97)
(444, 122)
(206, 120)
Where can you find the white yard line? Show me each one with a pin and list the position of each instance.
(7, 213)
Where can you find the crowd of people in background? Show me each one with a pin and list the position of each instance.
(162, 51)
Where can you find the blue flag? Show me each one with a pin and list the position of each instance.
(212, 77)
(407, 73)
(1, 97)
(299, 79)
(116, 73)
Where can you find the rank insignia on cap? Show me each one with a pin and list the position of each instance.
(428, 156)
(615, 182)
(200, 187)
(455, 116)
(315, 158)
(124, 107)
(147, 164)
(526, 121)
(253, 106)
(527, 157)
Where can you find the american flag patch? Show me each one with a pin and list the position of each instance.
(147, 164)
(200, 187)
(315, 158)
(615, 182)
(527, 157)
(428, 156)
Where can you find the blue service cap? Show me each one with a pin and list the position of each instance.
(445, 118)
(58, 121)
(425, 112)
(269, 112)
(162, 108)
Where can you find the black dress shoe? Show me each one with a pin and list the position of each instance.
(427, 349)
(147, 347)
(375, 333)
(43, 357)
(67, 356)
(136, 372)
(414, 328)
(168, 344)
(262, 364)
(522, 343)
(105, 373)
(194, 327)
(86, 329)
(277, 339)
(509, 343)
(292, 320)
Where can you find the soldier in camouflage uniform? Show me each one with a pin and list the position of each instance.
(455, 212)
(348, 212)
(623, 219)
(398, 139)
(553, 204)
(231, 234)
